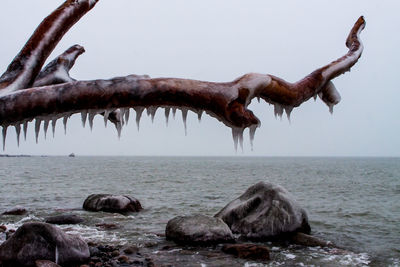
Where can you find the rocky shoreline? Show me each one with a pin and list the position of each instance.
(265, 212)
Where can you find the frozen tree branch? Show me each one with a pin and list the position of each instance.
(226, 102)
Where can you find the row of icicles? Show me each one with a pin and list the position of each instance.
(122, 115)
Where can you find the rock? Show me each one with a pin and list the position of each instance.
(131, 250)
(3, 228)
(17, 210)
(108, 226)
(44, 263)
(64, 219)
(247, 251)
(111, 203)
(265, 211)
(310, 241)
(198, 230)
(42, 241)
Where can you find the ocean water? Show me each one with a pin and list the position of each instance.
(353, 202)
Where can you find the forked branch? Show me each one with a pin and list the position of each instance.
(225, 101)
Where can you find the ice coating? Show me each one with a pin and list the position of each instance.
(4, 132)
(227, 101)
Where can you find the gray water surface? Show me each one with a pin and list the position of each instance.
(354, 202)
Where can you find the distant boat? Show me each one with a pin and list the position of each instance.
(72, 155)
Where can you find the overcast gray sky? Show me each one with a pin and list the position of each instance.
(219, 41)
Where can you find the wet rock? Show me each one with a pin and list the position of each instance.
(3, 228)
(131, 250)
(42, 241)
(247, 251)
(198, 230)
(310, 241)
(17, 210)
(265, 211)
(123, 259)
(9, 233)
(108, 226)
(64, 219)
(45, 263)
(111, 203)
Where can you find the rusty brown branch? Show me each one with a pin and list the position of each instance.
(225, 101)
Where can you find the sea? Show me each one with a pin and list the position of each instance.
(352, 202)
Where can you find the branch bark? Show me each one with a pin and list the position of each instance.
(225, 101)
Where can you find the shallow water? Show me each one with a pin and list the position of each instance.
(354, 202)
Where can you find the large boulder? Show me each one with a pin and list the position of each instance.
(265, 211)
(198, 230)
(111, 203)
(42, 241)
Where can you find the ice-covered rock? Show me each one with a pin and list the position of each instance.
(42, 241)
(198, 230)
(265, 211)
(111, 203)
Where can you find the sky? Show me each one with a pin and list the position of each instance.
(220, 41)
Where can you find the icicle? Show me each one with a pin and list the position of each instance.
(199, 114)
(4, 137)
(127, 114)
(84, 117)
(235, 135)
(167, 111)
(106, 115)
(331, 108)
(37, 129)
(252, 133)
(53, 125)
(65, 120)
(25, 126)
(184, 118)
(151, 111)
(278, 110)
(139, 112)
(258, 99)
(120, 114)
(174, 112)
(91, 117)
(241, 138)
(17, 131)
(118, 125)
(45, 127)
(288, 110)
(315, 97)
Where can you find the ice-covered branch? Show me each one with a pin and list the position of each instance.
(57, 71)
(22, 71)
(113, 98)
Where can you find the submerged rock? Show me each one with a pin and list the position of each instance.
(64, 219)
(265, 211)
(310, 241)
(247, 251)
(198, 230)
(17, 210)
(45, 263)
(111, 203)
(42, 241)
